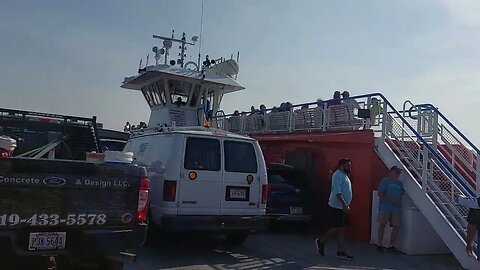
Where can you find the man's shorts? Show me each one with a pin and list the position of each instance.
(338, 218)
(387, 217)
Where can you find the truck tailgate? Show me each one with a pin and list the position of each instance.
(58, 193)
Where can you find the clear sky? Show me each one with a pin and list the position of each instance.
(70, 57)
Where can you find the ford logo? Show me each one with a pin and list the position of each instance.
(54, 181)
(126, 218)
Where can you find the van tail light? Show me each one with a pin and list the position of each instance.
(169, 190)
(264, 194)
(143, 199)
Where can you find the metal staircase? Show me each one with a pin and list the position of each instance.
(441, 164)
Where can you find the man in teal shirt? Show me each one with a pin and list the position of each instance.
(339, 207)
(390, 193)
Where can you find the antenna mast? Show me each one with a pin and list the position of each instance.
(167, 45)
(200, 45)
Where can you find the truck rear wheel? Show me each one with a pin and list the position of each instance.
(108, 264)
(236, 238)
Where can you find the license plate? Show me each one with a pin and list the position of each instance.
(296, 210)
(238, 193)
(47, 241)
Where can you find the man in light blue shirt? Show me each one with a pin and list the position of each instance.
(339, 207)
(390, 193)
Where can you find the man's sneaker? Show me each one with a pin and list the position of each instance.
(344, 255)
(394, 250)
(379, 248)
(320, 247)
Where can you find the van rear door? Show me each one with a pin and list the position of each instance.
(200, 185)
(241, 193)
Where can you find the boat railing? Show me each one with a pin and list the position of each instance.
(346, 114)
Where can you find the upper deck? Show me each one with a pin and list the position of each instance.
(333, 115)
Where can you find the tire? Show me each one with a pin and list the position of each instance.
(107, 264)
(236, 238)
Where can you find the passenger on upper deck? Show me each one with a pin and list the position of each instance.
(263, 109)
(352, 102)
(274, 110)
(253, 111)
(336, 99)
(127, 127)
(288, 106)
(320, 103)
(375, 110)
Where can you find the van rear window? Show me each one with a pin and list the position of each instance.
(240, 157)
(202, 154)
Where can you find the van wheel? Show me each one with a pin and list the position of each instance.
(236, 238)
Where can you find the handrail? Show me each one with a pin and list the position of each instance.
(409, 110)
(437, 156)
(431, 107)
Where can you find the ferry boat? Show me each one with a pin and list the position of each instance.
(440, 163)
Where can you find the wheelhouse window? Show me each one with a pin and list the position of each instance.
(159, 89)
(154, 93)
(179, 91)
(148, 96)
(202, 154)
(195, 95)
(240, 157)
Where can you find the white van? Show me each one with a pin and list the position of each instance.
(204, 179)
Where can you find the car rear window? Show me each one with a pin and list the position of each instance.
(240, 157)
(202, 154)
(276, 179)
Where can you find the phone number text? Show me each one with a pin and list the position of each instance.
(53, 220)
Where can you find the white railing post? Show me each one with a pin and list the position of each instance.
(368, 121)
(419, 122)
(264, 126)
(291, 120)
(384, 121)
(267, 123)
(425, 170)
(242, 124)
(435, 130)
(452, 189)
(326, 117)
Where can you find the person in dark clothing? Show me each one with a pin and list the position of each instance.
(472, 229)
(336, 99)
(473, 220)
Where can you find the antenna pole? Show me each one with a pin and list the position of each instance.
(200, 45)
